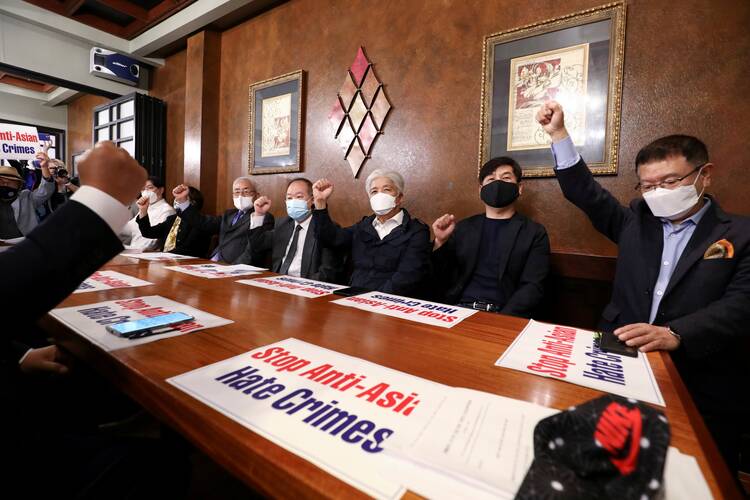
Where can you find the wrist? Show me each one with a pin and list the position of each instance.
(320, 204)
(559, 135)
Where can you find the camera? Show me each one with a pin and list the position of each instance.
(61, 172)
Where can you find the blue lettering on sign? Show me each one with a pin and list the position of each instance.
(604, 366)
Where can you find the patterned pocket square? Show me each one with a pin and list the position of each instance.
(722, 249)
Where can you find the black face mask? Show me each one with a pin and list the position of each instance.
(8, 194)
(499, 194)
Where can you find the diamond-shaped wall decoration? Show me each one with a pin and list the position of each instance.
(359, 112)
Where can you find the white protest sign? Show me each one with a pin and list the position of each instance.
(573, 355)
(90, 320)
(18, 142)
(212, 271)
(336, 411)
(421, 311)
(107, 280)
(294, 286)
(158, 256)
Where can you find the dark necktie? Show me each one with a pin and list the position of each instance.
(292, 250)
(237, 216)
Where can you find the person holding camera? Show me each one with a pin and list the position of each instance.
(18, 205)
(65, 186)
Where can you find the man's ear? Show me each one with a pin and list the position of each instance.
(520, 188)
(706, 173)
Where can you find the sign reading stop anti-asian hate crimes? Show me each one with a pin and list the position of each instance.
(294, 286)
(332, 409)
(18, 142)
(90, 321)
(421, 311)
(573, 355)
(108, 280)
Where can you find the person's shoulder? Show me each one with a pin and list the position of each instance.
(470, 221)
(530, 223)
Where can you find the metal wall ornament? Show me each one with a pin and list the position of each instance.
(577, 60)
(359, 113)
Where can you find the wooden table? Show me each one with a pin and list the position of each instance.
(462, 356)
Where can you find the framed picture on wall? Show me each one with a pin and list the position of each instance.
(576, 60)
(276, 124)
(74, 159)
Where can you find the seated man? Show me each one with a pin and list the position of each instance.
(390, 250)
(18, 206)
(158, 211)
(683, 272)
(496, 261)
(295, 248)
(178, 236)
(233, 227)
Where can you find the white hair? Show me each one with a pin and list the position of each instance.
(244, 178)
(394, 176)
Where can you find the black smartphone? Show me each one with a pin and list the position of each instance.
(352, 290)
(608, 342)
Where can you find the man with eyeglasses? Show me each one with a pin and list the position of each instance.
(233, 227)
(683, 271)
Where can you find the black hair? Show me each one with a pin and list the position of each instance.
(301, 179)
(157, 181)
(495, 163)
(692, 148)
(196, 197)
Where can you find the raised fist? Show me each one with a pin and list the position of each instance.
(322, 190)
(443, 228)
(143, 204)
(262, 205)
(552, 119)
(111, 169)
(181, 193)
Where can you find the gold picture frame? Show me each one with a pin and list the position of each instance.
(578, 59)
(275, 118)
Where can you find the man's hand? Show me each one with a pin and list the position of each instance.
(648, 337)
(44, 359)
(181, 193)
(443, 228)
(262, 205)
(44, 162)
(143, 204)
(552, 119)
(112, 170)
(322, 190)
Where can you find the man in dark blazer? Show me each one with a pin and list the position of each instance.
(295, 248)
(496, 261)
(233, 227)
(175, 234)
(682, 282)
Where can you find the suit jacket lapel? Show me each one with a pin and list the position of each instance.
(652, 235)
(308, 248)
(506, 243)
(710, 228)
(283, 233)
(472, 241)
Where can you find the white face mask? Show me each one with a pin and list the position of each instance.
(673, 203)
(382, 203)
(150, 195)
(243, 202)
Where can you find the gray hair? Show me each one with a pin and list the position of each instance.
(394, 176)
(244, 178)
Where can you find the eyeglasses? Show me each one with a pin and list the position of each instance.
(243, 192)
(670, 183)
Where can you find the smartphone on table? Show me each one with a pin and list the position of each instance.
(149, 326)
(608, 342)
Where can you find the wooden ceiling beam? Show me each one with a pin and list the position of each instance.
(128, 8)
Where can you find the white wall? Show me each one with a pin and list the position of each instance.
(24, 109)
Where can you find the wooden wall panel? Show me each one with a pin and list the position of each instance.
(81, 123)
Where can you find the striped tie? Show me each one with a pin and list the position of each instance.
(172, 236)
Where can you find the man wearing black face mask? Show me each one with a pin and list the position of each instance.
(496, 261)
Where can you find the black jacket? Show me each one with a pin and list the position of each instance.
(234, 243)
(318, 262)
(524, 262)
(707, 301)
(189, 241)
(399, 263)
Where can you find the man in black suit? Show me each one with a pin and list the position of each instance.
(295, 248)
(176, 235)
(496, 261)
(233, 227)
(683, 272)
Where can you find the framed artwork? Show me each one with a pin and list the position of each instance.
(576, 60)
(276, 112)
(73, 167)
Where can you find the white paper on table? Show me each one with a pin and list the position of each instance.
(292, 285)
(683, 477)
(109, 280)
(213, 271)
(90, 320)
(157, 256)
(571, 355)
(421, 311)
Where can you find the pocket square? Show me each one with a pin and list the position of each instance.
(722, 249)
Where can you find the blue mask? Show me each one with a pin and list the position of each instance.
(297, 209)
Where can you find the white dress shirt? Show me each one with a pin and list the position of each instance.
(157, 213)
(384, 228)
(295, 268)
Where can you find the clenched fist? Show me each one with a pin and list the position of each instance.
(181, 193)
(443, 228)
(552, 119)
(143, 205)
(322, 190)
(111, 169)
(262, 205)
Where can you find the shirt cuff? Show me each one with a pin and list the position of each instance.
(114, 213)
(256, 221)
(182, 206)
(565, 154)
(20, 361)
